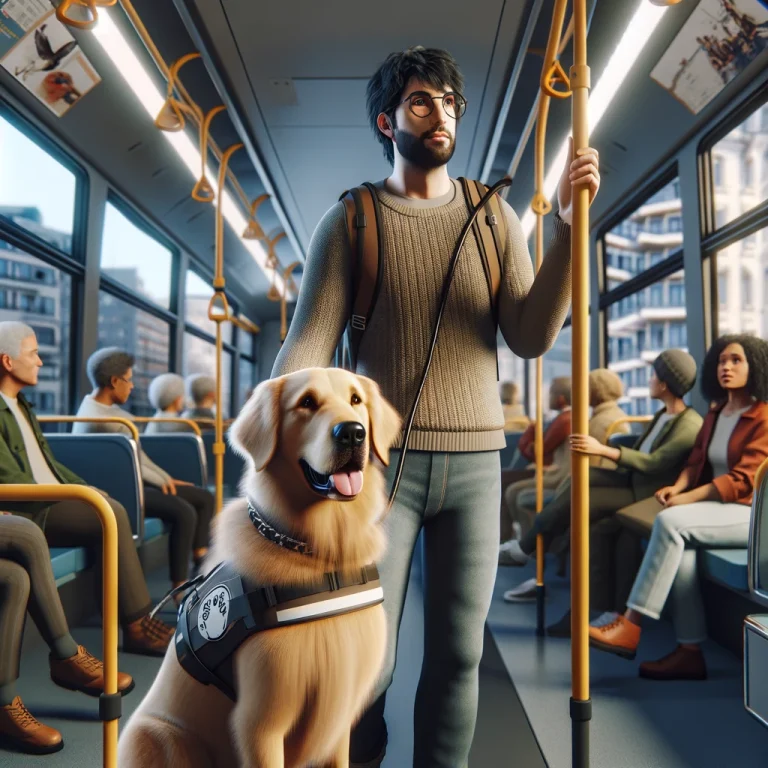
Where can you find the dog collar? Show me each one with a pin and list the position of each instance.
(269, 532)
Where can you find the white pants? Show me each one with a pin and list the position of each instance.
(669, 564)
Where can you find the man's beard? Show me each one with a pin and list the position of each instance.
(417, 152)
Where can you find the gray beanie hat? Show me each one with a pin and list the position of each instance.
(677, 369)
(199, 386)
(165, 389)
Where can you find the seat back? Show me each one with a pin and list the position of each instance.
(233, 464)
(757, 557)
(181, 455)
(508, 453)
(109, 462)
(622, 441)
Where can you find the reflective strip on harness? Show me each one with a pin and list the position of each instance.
(331, 605)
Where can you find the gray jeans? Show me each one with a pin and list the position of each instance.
(455, 497)
(669, 564)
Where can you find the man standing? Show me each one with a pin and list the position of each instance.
(450, 484)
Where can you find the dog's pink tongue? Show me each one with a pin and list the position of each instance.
(348, 483)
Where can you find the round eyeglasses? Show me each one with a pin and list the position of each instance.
(422, 104)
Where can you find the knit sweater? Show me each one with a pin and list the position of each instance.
(460, 408)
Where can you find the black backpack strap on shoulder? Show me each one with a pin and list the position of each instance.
(490, 241)
(362, 214)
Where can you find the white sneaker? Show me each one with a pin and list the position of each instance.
(523, 593)
(517, 530)
(604, 619)
(511, 554)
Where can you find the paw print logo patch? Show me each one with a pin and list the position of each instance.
(213, 618)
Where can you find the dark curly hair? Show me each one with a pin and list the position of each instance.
(433, 66)
(755, 349)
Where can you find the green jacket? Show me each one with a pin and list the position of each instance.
(14, 462)
(669, 452)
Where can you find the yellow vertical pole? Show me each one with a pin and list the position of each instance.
(219, 318)
(551, 73)
(581, 705)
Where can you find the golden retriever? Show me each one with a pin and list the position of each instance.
(300, 688)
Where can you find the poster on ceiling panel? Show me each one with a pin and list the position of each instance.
(40, 52)
(717, 42)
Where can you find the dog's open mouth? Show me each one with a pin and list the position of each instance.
(344, 484)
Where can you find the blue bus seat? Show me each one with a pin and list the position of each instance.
(508, 453)
(181, 455)
(233, 464)
(109, 462)
(66, 562)
(622, 441)
(725, 566)
(153, 527)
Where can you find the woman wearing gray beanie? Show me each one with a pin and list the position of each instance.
(654, 461)
(166, 394)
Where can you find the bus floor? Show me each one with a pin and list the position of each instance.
(501, 737)
(636, 723)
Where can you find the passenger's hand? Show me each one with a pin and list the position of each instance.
(664, 495)
(169, 489)
(586, 444)
(678, 500)
(6, 513)
(181, 482)
(585, 169)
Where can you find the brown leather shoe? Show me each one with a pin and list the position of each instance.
(85, 673)
(146, 636)
(620, 637)
(20, 730)
(681, 664)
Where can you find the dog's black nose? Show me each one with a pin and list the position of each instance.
(349, 434)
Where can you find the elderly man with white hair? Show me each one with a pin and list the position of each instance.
(187, 509)
(25, 457)
(166, 394)
(201, 390)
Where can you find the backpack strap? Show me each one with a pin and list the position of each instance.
(491, 235)
(362, 217)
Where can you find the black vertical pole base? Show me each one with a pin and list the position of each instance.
(541, 590)
(581, 714)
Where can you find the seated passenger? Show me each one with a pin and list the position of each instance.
(605, 388)
(166, 394)
(187, 509)
(655, 461)
(708, 506)
(26, 457)
(514, 412)
(556, 457)
(201, 391)
(27, 584)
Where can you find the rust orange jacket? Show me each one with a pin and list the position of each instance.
(747, 448)
(557, 433)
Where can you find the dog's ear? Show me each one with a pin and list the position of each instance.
(384, 421)
(255, 431)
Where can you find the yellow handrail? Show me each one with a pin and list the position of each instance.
(94, 419)
(111, 699)
(541, 206)
(614, 427)
(172, 420)
(580, 702)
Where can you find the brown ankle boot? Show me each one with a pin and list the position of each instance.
(84, 672)
(149, 637)
(20, 730)
(681, 664)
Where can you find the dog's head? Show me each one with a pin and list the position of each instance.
(321, 426)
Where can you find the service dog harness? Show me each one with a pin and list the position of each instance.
(217, 615)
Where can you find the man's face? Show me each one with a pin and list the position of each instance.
(122, 386)
(426, 142)
(24, 368)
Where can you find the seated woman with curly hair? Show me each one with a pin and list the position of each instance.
(708, 506)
